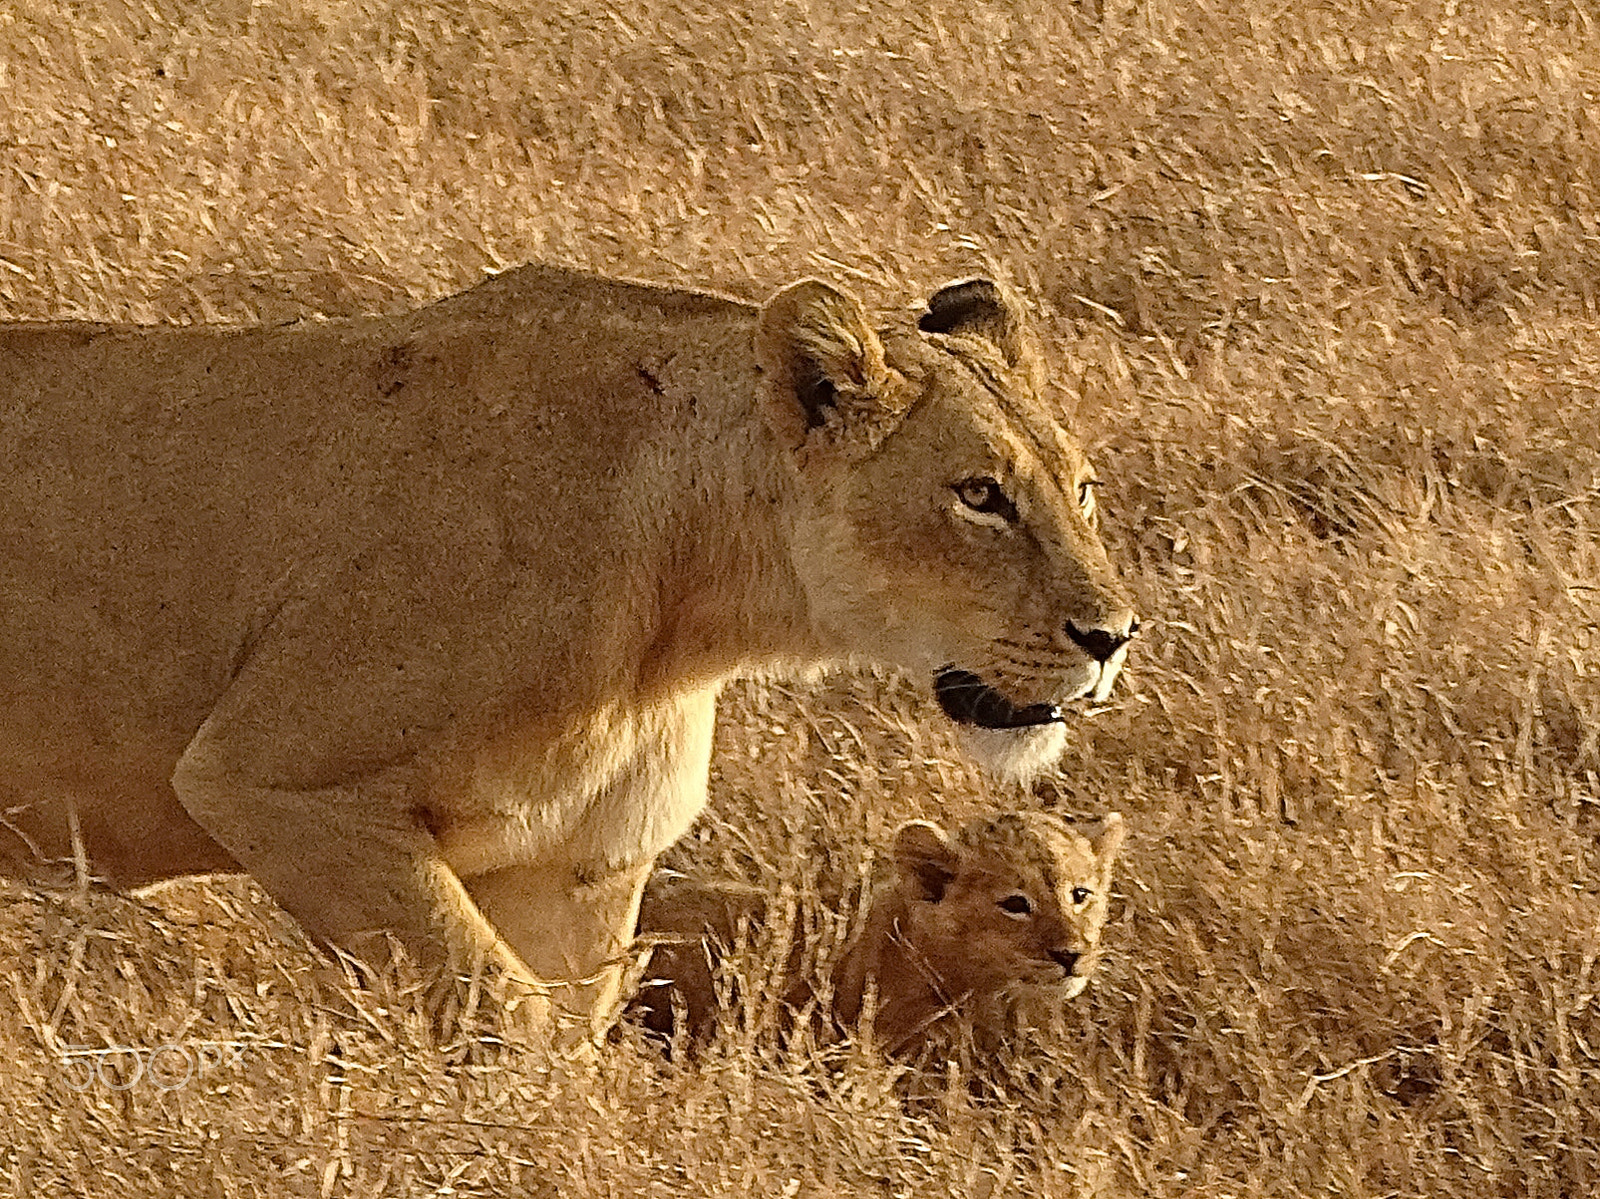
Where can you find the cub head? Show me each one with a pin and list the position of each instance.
(1014, 899)
(946, 519)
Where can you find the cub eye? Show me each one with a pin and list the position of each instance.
(1081, 896)
(984, 495)
(1016, 906)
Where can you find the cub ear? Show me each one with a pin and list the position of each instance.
(1106, 838)
(925, 858)
(825, 380)
(982, 308)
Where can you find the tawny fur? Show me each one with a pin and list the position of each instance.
(935, 944)
(421, 619)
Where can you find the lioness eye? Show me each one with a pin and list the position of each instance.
(1016, 905)
(984, 495)
(1081, 895)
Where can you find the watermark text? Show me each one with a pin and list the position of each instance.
(165, 1067)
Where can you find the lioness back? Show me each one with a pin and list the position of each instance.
(421, 618)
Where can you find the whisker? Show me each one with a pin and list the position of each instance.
(1035, 644)
(1029, 642)
(1047, 665)
(1033, 668)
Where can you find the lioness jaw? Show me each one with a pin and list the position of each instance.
(967, 699)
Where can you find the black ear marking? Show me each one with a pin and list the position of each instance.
(969, 305)
(934, 880)
(979, 308)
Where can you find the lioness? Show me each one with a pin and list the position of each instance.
(421, 619)
(954, 928)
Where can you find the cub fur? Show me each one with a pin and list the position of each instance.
(421, 619)
(954, 928)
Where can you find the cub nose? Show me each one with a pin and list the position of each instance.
(1100, 644)
(1064, 958)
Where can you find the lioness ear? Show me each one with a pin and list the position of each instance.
(825, 380)
(1106, 838)
(982, 308)
(925, 857)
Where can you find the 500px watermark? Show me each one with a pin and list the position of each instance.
(165, 1067)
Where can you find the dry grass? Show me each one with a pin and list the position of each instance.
(1321, 281)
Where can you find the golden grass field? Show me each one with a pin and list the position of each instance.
(1321, 284)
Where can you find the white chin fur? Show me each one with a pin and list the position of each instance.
(1108, 675)
(1016, 754)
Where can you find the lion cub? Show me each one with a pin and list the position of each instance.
(954, 927)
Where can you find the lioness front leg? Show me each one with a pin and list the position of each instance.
(571, 914)
(354, 870)
(568, 925)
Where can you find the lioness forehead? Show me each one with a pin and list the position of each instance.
(1013, 398)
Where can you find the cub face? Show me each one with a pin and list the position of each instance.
(1015, 899)
(947, 518)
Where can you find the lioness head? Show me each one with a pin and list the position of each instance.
(1018, 898)
(947, 519)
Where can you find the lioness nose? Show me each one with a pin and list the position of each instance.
(1100, 644)
(1064, 958)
